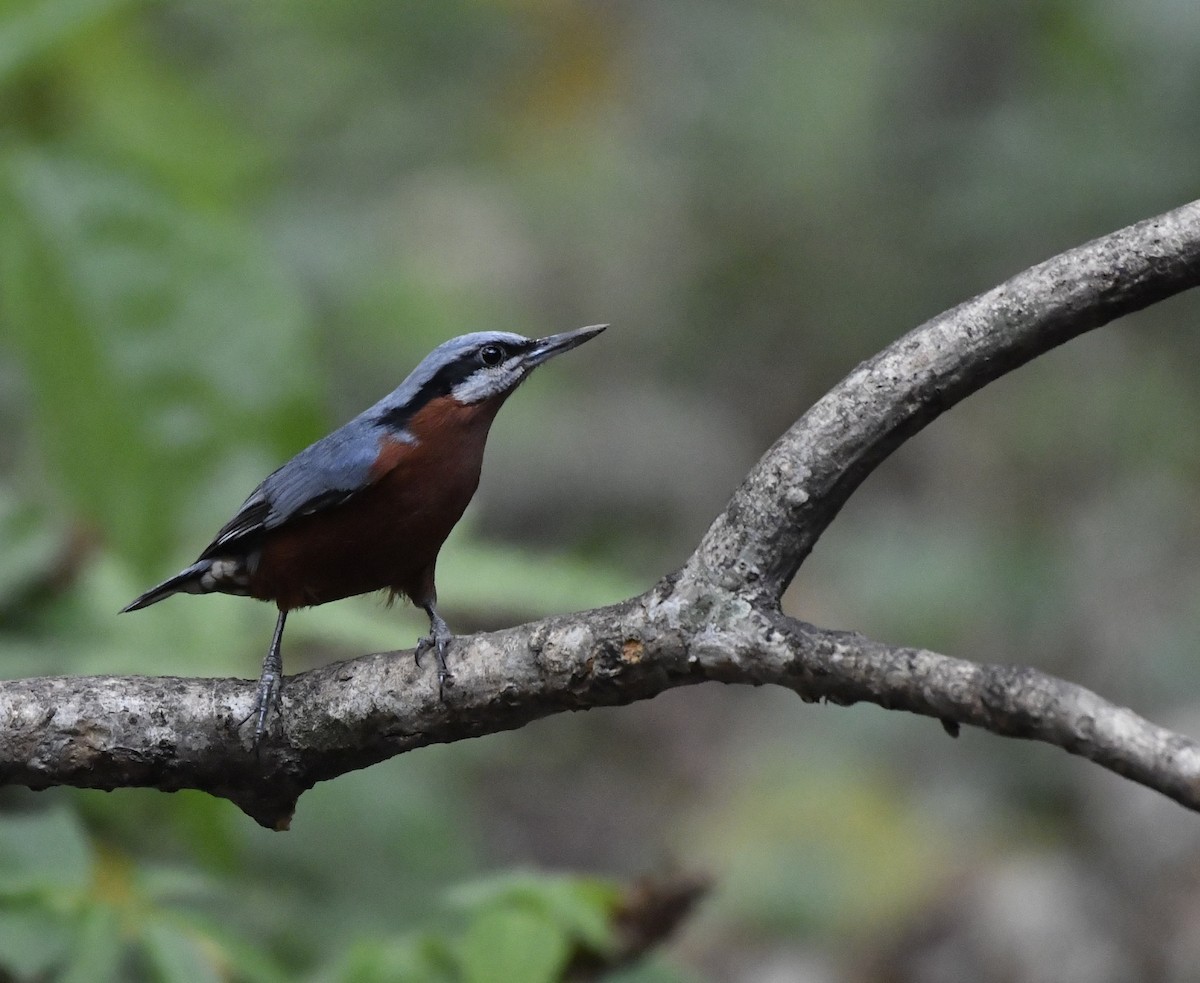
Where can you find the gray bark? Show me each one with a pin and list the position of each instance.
(717, 618)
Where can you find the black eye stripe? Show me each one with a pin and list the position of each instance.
(443, 381)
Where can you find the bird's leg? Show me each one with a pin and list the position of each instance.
(438, 639)
(270, 683)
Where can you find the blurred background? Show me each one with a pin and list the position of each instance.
(226, 228)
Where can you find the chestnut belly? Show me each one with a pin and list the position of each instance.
(386, 537)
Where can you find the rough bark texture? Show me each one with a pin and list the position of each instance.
(716, 619)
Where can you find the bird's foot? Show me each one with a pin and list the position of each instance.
(268, 700)
(438, 640)
(270, 686)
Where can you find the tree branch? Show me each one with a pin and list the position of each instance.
(801, 483)
(716, 619)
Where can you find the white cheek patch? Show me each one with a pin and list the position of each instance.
(488, 381)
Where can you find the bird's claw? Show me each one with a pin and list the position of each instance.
(266, 700)
(439, 642)
(270, 695)
(270, 685)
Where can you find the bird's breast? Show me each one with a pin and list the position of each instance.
(388, 535)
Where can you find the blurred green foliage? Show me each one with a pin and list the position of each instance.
(225, 227)
(94, 916)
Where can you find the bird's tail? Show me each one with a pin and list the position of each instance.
(188, 581)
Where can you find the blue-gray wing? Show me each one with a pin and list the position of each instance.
(325, 474)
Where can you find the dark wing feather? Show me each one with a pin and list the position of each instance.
(328, 473)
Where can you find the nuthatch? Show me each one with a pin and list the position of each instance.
(369, 506)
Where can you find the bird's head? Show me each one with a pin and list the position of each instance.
(475, 368)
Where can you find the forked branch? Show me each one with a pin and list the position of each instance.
(717, 619)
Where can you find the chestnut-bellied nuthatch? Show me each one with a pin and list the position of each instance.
(369, 506)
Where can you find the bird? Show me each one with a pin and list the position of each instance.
(368, 506)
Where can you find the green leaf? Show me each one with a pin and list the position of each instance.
(30, 543)
(491, 577)
(414, 959)
(130, 308)
(99, 946)
(31, 941)
(138, 108)
(581, 907)
(43, 853)
(31, 29)
(506, 946)
(181, 956)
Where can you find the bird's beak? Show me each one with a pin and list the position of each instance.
(556, 344)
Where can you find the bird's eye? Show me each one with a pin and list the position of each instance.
(491, 354)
